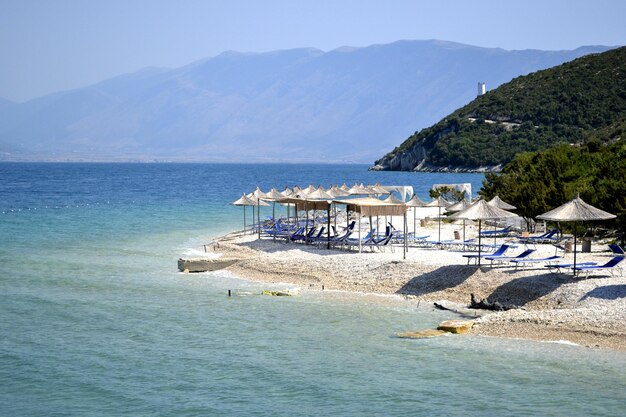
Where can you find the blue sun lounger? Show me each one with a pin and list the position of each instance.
(500, 259)
(475, 256)
(532, 261)
(610, 266)
(558, 267)
(616, 249)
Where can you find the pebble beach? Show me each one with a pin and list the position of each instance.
(553, 306)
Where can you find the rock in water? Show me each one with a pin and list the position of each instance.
(422, 334)
(456, 326)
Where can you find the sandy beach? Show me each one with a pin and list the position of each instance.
(590, 311)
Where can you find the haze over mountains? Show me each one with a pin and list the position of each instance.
(346, 105)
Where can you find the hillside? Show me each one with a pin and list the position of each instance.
(576, 101)
(346, 105)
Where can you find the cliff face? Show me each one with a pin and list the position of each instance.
(416, 157)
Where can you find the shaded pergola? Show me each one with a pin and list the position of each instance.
(370, 206)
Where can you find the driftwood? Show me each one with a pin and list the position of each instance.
(485, 304)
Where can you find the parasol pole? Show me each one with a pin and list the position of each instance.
(258, 216)
(406, 226)
(574, 248)
(479, 228)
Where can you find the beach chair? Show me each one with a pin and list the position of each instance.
(349, 242)
(616, 250)
(610, 266)
(380, 244)
(546, 238)
(337, 239)
(558, 267)
(316, 236)
(297, 235)
(503, 248)
(500, 259)
(497, 233)
(534, 261)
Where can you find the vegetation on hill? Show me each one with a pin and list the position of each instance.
(575, 102)
(540, 181)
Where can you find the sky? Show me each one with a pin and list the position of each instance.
(53, 45)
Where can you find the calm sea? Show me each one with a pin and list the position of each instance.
(95, 319)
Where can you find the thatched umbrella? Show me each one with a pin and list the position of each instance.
(415, 202)
(498, 202)
(320, 194)
(439, 202)
(336, 192)
(480, 211)
(355, 190)
(258, 195)
(379, 189)
(574, 211)
(244, 201)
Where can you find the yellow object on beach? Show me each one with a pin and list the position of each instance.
(456, 326)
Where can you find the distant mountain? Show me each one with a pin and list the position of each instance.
(349, 104)
(574, 102)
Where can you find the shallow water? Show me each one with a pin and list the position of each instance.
(95, 320)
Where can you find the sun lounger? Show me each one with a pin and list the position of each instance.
(610, 266)
(617, 249)
(500, 259)
(475, 256)
(558, 267)
(532, 261)
(497, 233)
(355, 241)
(548, 237)
(380, 244)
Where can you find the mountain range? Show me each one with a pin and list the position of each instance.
(345, 105)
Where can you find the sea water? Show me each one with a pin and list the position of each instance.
(96, 320)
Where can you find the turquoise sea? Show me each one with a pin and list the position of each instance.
(95, 320)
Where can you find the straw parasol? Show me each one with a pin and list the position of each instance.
(319, 194)
(439, 202)
(273, 195)
(379, 189)
(498, 202)
(480, 211)
(415, 202)
(355, 190)
(574, 211)
(244, 201)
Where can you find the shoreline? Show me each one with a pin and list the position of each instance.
(589, 311)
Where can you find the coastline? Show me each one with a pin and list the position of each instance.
(555, 307)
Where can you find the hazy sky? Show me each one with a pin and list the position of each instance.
(52, 45)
